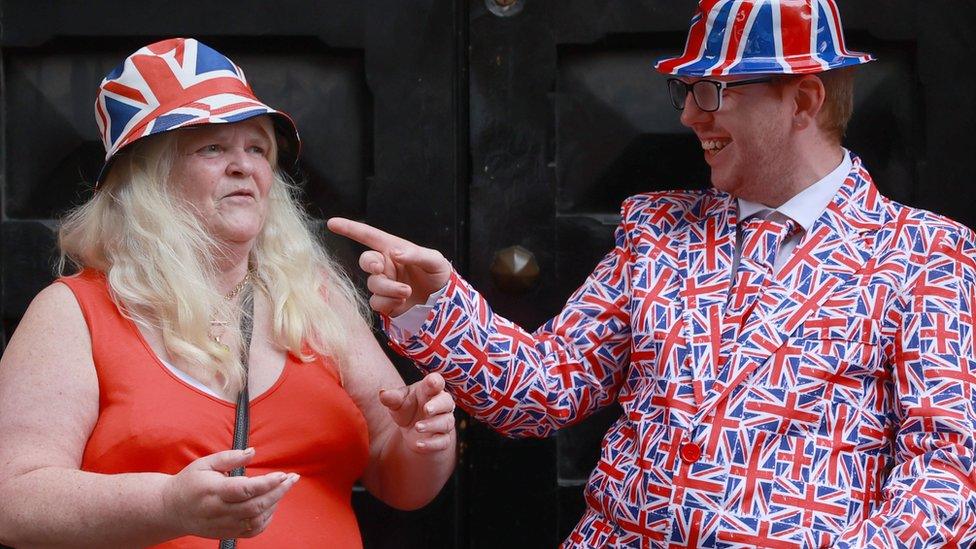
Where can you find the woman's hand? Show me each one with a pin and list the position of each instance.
(203, 501)
(425, 413)
(401, 274)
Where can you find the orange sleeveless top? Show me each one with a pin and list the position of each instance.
(151, 421)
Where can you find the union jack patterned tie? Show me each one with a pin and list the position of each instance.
(761, 239)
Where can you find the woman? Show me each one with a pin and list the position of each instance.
(117, 390)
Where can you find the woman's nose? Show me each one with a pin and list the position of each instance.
(239, 164)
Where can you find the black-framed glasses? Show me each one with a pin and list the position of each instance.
(707, 93)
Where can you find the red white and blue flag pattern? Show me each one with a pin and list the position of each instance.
(839, 413)
(729, 37)
(171, 84)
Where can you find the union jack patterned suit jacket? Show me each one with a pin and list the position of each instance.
(840, 413)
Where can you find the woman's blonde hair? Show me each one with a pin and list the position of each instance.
(160, 264)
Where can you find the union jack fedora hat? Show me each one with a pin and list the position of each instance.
(174, 84)
(731, 37)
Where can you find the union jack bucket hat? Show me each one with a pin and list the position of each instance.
(733, 37)
(174, 84)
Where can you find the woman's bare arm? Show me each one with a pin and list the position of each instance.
(408, 467)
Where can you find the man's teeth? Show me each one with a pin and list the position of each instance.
(714, 145)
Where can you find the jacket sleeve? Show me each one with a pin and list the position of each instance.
(527, 385)
(929, 497)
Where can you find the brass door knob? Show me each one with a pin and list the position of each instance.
(504, 8)
(514, 269)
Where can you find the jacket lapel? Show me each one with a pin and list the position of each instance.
(837, 246)
(707, 254)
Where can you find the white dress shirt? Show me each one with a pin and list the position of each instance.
(804, 208)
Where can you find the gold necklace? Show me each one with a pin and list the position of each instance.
(240, 286)
(230, 295)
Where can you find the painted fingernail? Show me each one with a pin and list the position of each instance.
(421, 427)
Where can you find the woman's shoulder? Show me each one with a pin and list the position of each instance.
(86, 284)
(55, 297)
(86, 290)
(53, 316)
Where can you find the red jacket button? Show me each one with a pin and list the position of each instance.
(690, 452)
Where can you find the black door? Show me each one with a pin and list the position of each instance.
(471, 126)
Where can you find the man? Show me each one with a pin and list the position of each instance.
(794, 353)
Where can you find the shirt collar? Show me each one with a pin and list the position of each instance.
(805, 208)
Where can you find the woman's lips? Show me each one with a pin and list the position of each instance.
(240, 194)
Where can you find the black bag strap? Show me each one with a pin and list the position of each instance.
(242, 416)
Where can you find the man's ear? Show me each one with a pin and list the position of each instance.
(809, 95)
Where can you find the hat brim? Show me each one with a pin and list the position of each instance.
(288, 140)
(695, 67)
